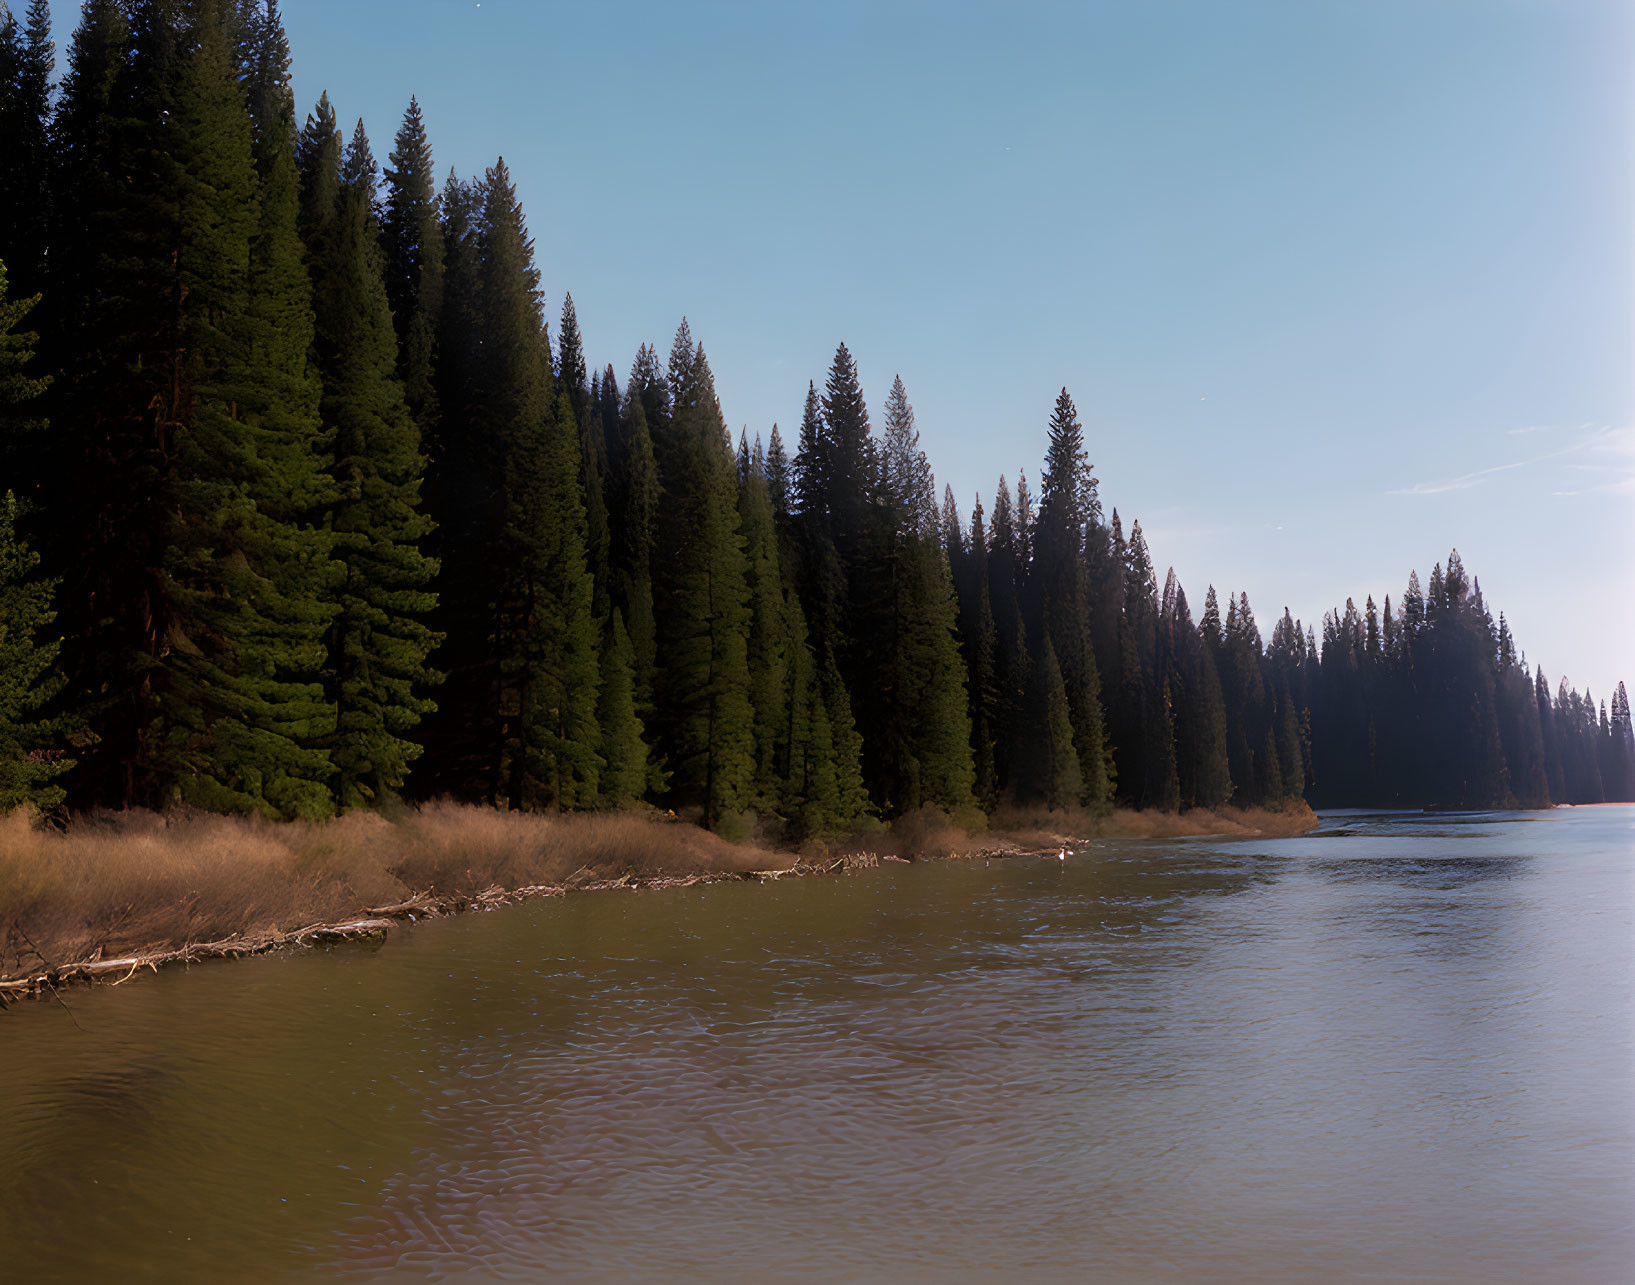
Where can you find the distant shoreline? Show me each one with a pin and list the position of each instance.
(121, 894)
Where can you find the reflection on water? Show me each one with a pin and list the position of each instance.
(1400, 1047)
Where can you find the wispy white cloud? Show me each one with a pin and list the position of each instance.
(1616, 443)
(1548, 428)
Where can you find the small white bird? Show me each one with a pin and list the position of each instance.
(1062, 855)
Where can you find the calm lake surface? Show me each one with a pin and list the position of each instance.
(1397, 1049)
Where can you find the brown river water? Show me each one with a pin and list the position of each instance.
(1400, 1048)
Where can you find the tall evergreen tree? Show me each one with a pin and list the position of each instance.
(704, 720)
(574, 381)
(778, 480)
(925, 732)
(379, 644)
(32, 753)
(1144, 728)
(26, 58)
(769, 641)
(544, 631)
(1202, 776)
(634, 503)
(980, 638)
(413, 243)
(246, 572)
(1063, 784)
(1067, 505)
(1012, 663)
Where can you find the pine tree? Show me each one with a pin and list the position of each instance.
(574, 382)
(248, 573)
(905, 469)
(1012, 663)
(110, 323)
(851, 793)
(1290, 756)
(23, 434)
(634, 503)
(1063, 783)
(1550, 736)
(624, 751)
(1068, 504)
(1620, 781)
(1144, 727)
(379, 645)
(704, 721)
(544, 633)
(413, 243)
(26, 57)
(822, 575)
(31, 735)
(1519, 728)
(464, 471)
(1243, 693)
(1268, 772)
(778, 476)
(924, 737)
(769, 641)
(1202, 777)
(979, 636)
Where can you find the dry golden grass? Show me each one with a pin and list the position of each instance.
(117, 884)
(121, 884)
(1036, 828)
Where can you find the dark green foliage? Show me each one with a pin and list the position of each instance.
(379, 643)
(573, 382)
(978, 637)
(109, 324)
(703, 720)
(633, 503)
(32, 734)
(26, 57)
(924, 727)
(517, 722)
(32, 753)
(1202, 777)
(1143, 710)
(1063, 784)
(1068, 504)
(22, 432)
(298, 432)
(624, 752)
(769, 627)
(463, 477)
(1012, 663)
(542, 631)
(413, 269)
(248, 572)
(778, 476)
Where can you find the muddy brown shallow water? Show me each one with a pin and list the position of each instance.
(1398, 1048)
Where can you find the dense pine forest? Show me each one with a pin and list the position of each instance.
(304, 508)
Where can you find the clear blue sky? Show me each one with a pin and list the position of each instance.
(1336, 285)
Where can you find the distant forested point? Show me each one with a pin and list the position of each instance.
(304, 508)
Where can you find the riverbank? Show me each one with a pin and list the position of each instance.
(117, 894)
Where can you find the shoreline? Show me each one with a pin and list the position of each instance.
(116, 896)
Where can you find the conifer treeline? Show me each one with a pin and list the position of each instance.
(322, 516)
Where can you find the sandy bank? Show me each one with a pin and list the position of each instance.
(118, 894)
